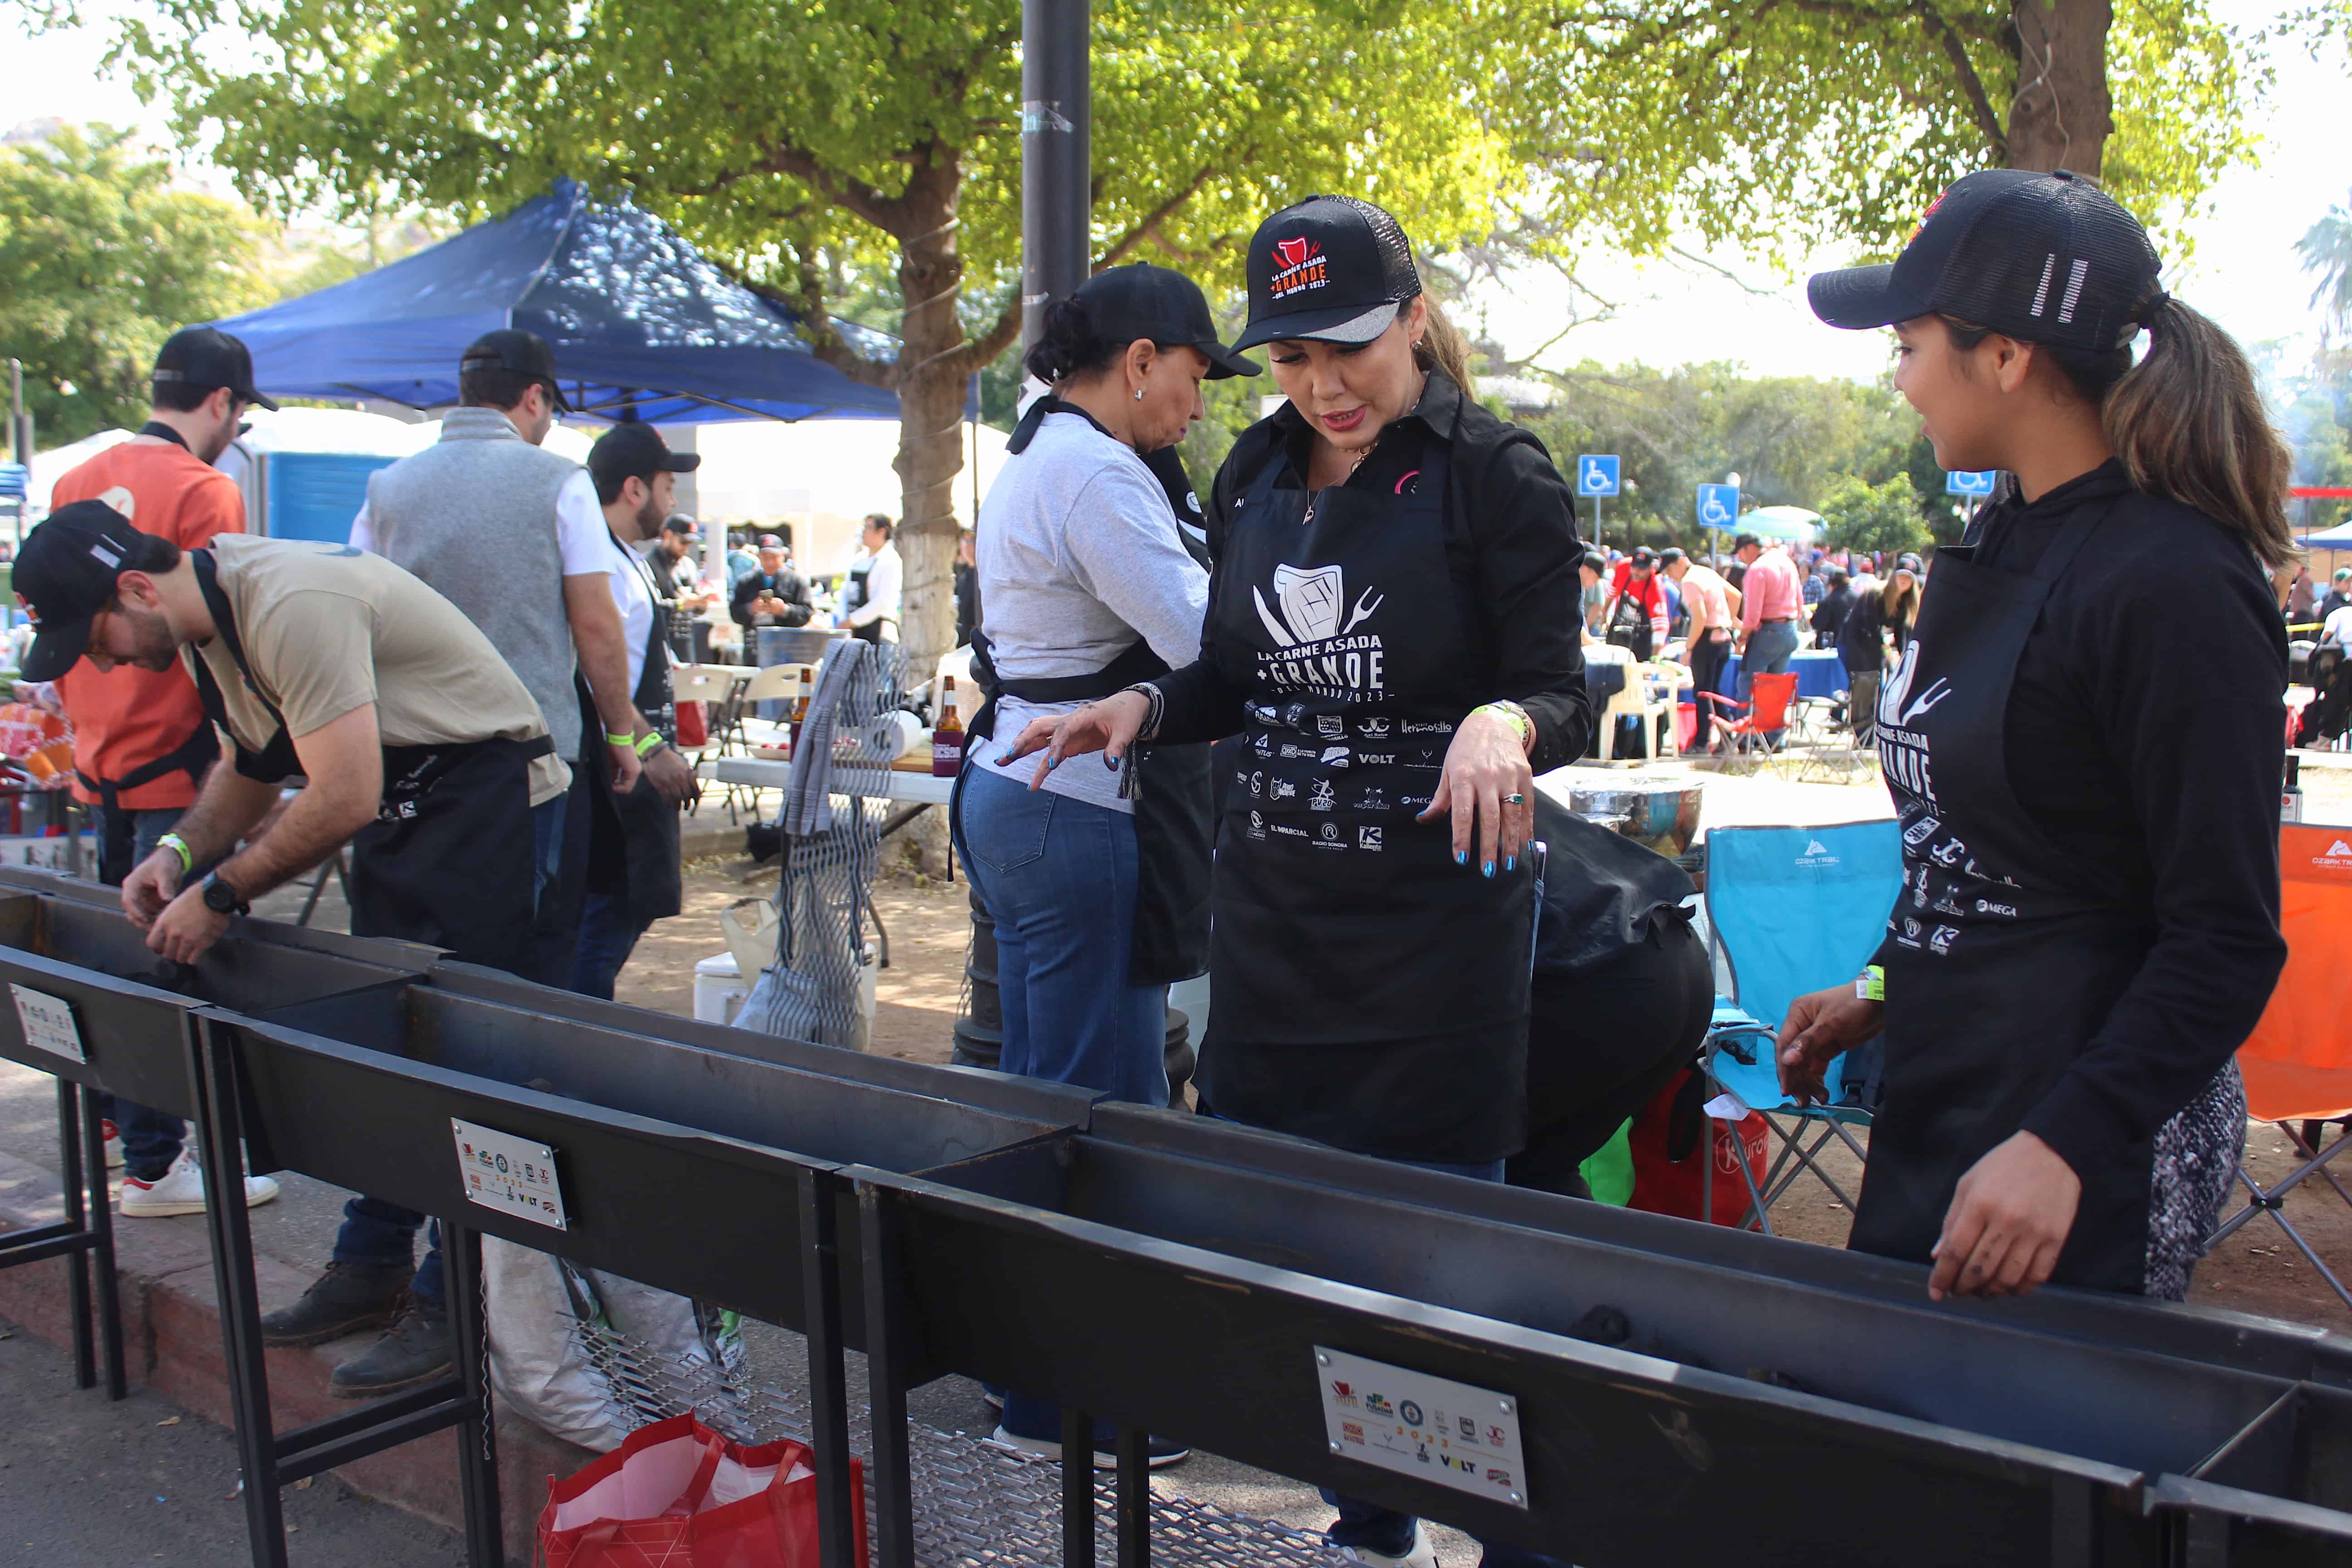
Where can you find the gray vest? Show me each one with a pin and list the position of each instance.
(474, 516)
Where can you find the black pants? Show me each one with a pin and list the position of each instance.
(1707, 658)
(2329, 711)
(1604, 1040)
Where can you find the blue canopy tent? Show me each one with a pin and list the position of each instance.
(639, 320)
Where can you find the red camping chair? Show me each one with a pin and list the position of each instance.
(2299, 1061)
(1764, 715)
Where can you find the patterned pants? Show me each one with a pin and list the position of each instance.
(2197, 1157)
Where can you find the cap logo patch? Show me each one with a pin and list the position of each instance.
(2041, 289)
(31, 614)
(1925, 216)
(100, 553)
(1302, 267)
(2074, 276)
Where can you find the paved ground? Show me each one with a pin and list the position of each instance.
(84, 1483)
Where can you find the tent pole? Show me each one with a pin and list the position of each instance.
(1056, 156)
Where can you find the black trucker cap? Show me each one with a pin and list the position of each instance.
(208, 357)
(65, 575)
(522, 353)
(1331, 267)
(1140, 301)
(635, 449)
(2044, 258)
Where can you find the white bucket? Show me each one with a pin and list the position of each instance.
(719, 990)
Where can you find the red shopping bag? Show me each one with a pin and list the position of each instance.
(1674, 1140)
(677, 1495)
(693, 729)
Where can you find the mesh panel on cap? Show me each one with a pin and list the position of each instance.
(1399, 278)
(2054, 261)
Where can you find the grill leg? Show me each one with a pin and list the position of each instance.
(1134, 1498)
(477, 1453)
(828, 1385)
(212, 1071)
(885, 1380)
(1077, 1489)
(101, 1230)
(77, 1194)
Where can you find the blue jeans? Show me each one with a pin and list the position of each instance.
(151, 1139)
(1058, 875)
(607, 937)
(1769, 648)
(376, 1234)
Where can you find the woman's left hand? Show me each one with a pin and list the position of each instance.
(2009, 1221)
(1485, 764)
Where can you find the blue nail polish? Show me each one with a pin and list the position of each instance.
(1490, 868)
(1051, 765)
(1460, 858)
(1110, 762)
(1510, 862)
(1004, 760)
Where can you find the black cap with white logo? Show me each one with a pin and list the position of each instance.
(634, 450)
(1329, 267)
(206, 357)
(518, 352)
(65, 575)
(2044, 258)
(1140, 301)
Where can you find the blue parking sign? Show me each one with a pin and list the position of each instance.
(1596, 475)
(1967, 484)
(1719, 505)
(12, 480)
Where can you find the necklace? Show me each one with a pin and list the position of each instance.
(1314, 499)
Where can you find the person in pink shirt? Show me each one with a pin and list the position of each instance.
(1773, 604)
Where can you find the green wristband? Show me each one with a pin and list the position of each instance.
(178, 846)
(649, 742)
(611, 739)
(1871, 986)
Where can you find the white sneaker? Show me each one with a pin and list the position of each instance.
(113, 1144)
(1422, 1554)
(181, 1189)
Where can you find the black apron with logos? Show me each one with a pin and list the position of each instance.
(852, 598)
(447, 860)
(634, 846)
(1170, 784)
(2005, 962)
(1370, 993)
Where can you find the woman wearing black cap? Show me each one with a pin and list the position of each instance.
(1394, 625)
(2084, 743)
(1099, 890)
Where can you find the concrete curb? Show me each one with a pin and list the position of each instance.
(172, 1344)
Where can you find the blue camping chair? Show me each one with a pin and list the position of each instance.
(1794, 909)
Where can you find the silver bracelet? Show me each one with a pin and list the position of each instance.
(1158, 709)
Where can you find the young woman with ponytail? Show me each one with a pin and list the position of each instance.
(2083, 743)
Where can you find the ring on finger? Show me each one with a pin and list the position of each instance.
(1515, 798)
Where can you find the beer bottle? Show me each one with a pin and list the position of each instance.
(947, 734)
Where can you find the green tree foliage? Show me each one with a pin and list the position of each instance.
(1883, 518)
(101, 260)
(1786, 127)
(795, 142)
(2326, 251)
(1789, 438)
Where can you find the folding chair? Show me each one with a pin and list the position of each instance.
(1845, 758)
(715, 687)
(2299, 1061)
(1764, 714)
(1794, 909)
(776, 683)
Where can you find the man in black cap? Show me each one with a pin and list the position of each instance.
(513, 535)
(422, 750)
(632, 877)
(774, 595)
(680, 572)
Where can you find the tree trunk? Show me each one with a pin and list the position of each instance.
(931, 445)
(2061, 114)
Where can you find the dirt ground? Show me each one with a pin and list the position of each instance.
(2257, 1269)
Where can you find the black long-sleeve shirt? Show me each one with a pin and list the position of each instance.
(2144, 733)
(1510, 539)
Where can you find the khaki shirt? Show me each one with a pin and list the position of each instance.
(329, 629)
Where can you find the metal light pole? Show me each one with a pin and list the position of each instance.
(1056, 242)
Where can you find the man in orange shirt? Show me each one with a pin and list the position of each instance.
(141, 742)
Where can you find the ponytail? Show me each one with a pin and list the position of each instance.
(1442, 346)
(2189, 425)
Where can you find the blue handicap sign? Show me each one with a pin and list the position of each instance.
(1596, 475)
(13, 478)
(1719, 505)
(1964, 484)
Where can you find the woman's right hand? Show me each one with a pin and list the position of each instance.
(1108, 726)
(1819, 1028)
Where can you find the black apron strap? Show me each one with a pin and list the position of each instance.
(277, 754)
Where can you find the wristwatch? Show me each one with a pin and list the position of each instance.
(222, 899)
